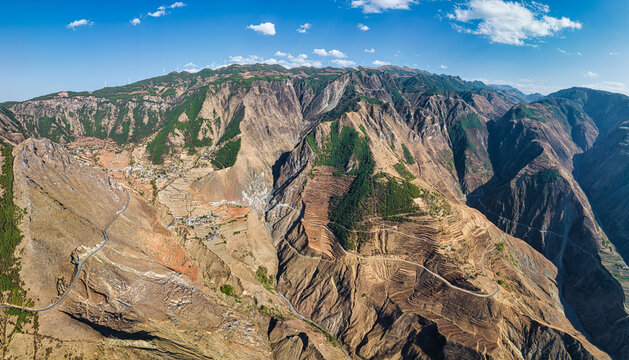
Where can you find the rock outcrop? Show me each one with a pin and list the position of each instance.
(535, 196)
(323, 213)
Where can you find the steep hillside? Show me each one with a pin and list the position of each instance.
(318, 213)
(534, 196)
(602, 170)
(430, 278)
(147, 293)
(604, 174)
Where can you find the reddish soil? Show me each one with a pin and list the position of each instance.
(112, 161)
(172, 255)
(316, 199)
(230, 212)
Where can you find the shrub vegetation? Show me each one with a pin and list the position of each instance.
(226, 156)
(228, 290)
(233, 128)
(262, 275)
(403, 171)
(547, 176)
(348, 103)
(11, 290)
(407, 155)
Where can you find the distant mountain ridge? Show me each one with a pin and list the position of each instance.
(130, 113)
(525, 97)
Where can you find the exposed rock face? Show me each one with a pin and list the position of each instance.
(225, 250)
(10, 128)
(141, 287)
(382, 309)
(534, 196)
(602, 170)
(605, 177)
(456, 135)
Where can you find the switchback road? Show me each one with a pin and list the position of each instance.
(78, 270)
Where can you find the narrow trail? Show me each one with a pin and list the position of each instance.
(565, 239)
(290, 306)
(448, 283)
(561, 236)
(300, 317)
(78, 271)
(385, 227)
(513, 221)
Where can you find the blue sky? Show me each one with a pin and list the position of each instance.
(536, 46)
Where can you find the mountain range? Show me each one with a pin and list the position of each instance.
(316, 213)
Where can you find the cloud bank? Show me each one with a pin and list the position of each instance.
(507, 22)
(287, 60)
(343, 63)
(332, 53)
(378, 6)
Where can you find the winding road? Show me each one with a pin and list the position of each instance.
(448, 283)
(564, 236)
(78, 271)
(299, 316)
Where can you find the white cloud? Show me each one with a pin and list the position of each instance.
(540, 7)
(251, 59)
(568, 53)
(333, 53)
(380, 63)
(135, 21)
(443, 67)
(288, 61)
(591, 75)
(336, 54)
(610, 86)
(507, 22)
(177, 4)
(378, 6)
(613, 53)
(193, 68)
(279, 53)
(343, 63)
(78, 23)
(370, 51)
(266, 28)
(161, 11)
(304, 28)
(363, 27)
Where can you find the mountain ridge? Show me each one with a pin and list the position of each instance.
(236, 174)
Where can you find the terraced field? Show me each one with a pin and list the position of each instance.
(316, 197)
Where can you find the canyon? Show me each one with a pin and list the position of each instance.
(316, 213)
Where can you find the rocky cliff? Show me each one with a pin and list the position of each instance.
(534, 195)
(320, 213)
